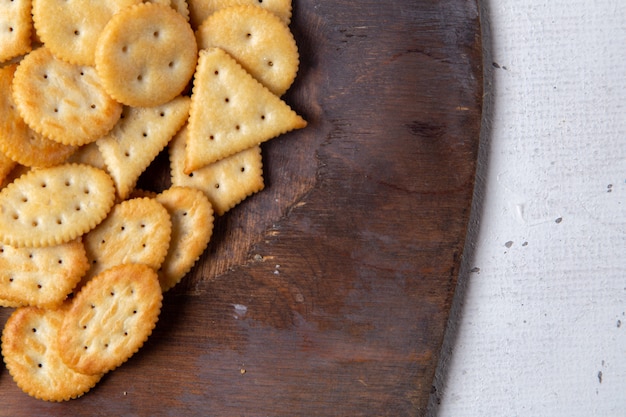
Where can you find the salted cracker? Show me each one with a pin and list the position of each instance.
(15, 28)
(110, 318)
(135, 231)
(231, 111)
(146, 55)
(137, 139)
(41, 277)
(32, 357)
(226, 182)
(17, 140)
(199, 10)
(88, 154)
(62, 101)
(260, 42)
(70, 28)
(192, 226)
(50, 206)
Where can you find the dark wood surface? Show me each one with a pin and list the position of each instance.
(326, 294)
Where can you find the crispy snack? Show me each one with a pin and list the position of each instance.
(41, 277)
(71, 28)
(31, 355)
(89, 155)
(231, 111)
(192, 227)
(18, 141)
(138, 138)
(136, 231)
(226, 182)
(50, 206)
(15, 28)
(110, 318)
(61, 101)
(260, 42)
(199, 10)
(146, 55)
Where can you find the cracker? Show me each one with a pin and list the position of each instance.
(110, 318)
(192, 227)
(61, 101)
(136, 231)
(31, 355)
(231, 111)
(138, 138)
(15, 28)
(199, 10)
(6, 166)
(18, 141)
(41, 277)
(146, 55)
(89, 155)
(226, 182)
(50, 206)
(261, 43)
(71, 28)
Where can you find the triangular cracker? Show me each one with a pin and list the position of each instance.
(226, 182)
(231, 111)
(138, 138)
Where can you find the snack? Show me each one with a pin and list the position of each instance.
(50, 206)
(192, 226)
(146, 55)
(231, 111)
(225, 182)
(110, 319)
(260, 42)
(138, 138)
(61, 101)
(199, 10)
(41, 277)
(16, 26)
(32, 357)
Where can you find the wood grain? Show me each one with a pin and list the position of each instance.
(326, 294)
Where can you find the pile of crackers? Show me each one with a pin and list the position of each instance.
(90, 93)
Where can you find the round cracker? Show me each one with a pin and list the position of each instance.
(32, 357)
(110, 318)
(261, 43)
(146, 55)
(71, 28)
(61, 101)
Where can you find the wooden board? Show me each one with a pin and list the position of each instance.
(326, 294)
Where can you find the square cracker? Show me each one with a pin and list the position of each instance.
(231, 111)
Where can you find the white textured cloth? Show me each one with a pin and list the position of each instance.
(539, 324)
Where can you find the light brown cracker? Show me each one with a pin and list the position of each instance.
(138, 138)
(192, 227)
(61, 101)
(88, 154)
(231, 111)
(15, 28)
(18, 141)
(199, 10)
(31, 355)
(260, 42)
(110, 318)
(41, 277)
(50, 206)
(70, 28)
(146, 55)
(136, 231)
(226, 182)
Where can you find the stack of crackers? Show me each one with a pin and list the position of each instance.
(90, 93)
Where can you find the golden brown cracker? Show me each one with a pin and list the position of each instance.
(231, 111)
(61, 101)
(199, 10)
(110, 318)
(192, 227)
(260, 42)
(32, 357)
(138, 138)
(50, 206)
(15, 28)
(146, 55)
(41, 277)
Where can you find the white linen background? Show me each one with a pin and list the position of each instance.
(538, 327)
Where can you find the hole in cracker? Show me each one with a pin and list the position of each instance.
(216, 72)
(134, 311)
(156, 34)
(262, 117)
(162, 114)
(171, 64)
(11, 279)
(10, 29)
(30, 255)
(248, 35)
(15, 216)
(60, 261)
(125, 333)
(86, 191)
(211, 137)
(77, 208)
(144, 134)
(85, 347)
(139, 77)
(34, 223)
(112, 294)
(59, 221)
(93, 305)
(237, 127)
(56, 110)
(39, 365)
(76, 32)
(242, 169)
(85, 326)
(38, 286)
(191, 175)
(126, 154)
(270, 63)
(45, 76)
(93, 106)
(67, 183)
(226, 100)
(124, 48)
(217, 185)
(122, 228)
(44, 185)
(34, 330)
